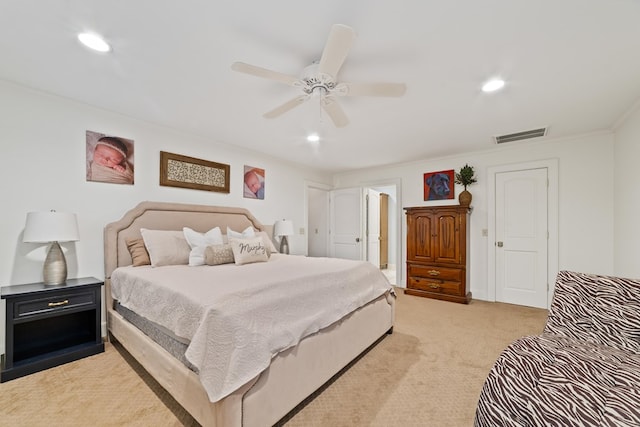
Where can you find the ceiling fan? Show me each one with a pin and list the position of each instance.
(320, 79)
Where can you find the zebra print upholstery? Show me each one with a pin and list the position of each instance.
(583, 370)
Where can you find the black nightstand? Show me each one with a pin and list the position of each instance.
(50, 325)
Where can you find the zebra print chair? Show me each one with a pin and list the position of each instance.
(583, 370)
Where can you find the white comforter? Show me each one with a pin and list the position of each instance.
(236, 318)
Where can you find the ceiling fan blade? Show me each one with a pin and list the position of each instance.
(336, 49)
(334, 111)
(264, 73)
(372, 89)
(292, 103)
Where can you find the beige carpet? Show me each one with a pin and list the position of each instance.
(429, 372)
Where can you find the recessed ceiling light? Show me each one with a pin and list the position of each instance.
(94, 41)
(493, 85)
(314, 137)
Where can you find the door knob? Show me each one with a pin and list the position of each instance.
(499, 244)
(357, 240)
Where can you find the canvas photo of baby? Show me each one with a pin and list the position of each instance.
(109, 158)
(253, 182)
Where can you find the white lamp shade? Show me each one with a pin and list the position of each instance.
(42, 227)
(283, 228)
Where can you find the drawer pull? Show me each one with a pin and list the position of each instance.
(58, 304)
(433, 286)
(433, 272)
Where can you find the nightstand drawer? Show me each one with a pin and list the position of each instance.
(441, 273)
(62, 301)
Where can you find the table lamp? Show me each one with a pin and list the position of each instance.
(54, 227)
(283, 229)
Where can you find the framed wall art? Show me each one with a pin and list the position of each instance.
(438, 185)
(188, 172)
(109, 158)
(253, 183)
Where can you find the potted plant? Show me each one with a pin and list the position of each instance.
(465, 176)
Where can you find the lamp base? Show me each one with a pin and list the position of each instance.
(284, 245)
(55, 266)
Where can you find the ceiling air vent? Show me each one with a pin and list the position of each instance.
(518, 136)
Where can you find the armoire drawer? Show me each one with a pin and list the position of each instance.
(441, 273)
(434, 285)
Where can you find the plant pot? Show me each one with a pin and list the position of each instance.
(464, 198)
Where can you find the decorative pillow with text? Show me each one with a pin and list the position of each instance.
(271, 248)
(246, 251)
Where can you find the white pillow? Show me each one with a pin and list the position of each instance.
(246, 251)
(199, 242)
(166, 247)
(247, 232)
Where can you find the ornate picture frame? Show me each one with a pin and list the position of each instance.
(188, 172)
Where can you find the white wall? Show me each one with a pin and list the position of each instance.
(627, 197)
(585, 192)
(42, 141)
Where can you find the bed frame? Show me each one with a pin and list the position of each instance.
(293, 374)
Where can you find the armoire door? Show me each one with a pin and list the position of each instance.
(447, 237)
(420, 241)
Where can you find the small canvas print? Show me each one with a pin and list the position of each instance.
(253, 182)
(438, 185)
(109, 158)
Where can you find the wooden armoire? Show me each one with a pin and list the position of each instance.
(437, 252)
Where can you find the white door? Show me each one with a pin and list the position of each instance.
(521, 235)
(346, 223)
(373, 227)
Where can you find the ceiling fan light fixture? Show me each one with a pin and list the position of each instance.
(493, 85)
(94, 41)
(319, 81)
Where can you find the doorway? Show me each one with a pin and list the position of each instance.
(388, 230)
(352, 201)
(317, 221)
(523, 233)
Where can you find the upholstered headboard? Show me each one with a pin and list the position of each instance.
(168, 216)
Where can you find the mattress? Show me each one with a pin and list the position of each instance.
(236, 318)
(161, 336)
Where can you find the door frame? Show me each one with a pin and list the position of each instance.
(397, 183)
(369, 208)
(552, 221)
(400, 237)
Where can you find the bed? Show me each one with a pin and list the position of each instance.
(292, 374)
